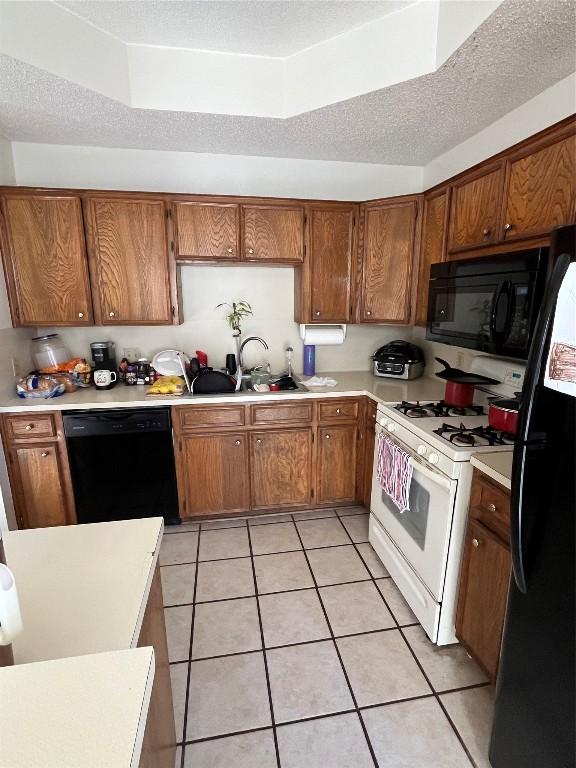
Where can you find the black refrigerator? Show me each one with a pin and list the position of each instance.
(534, 721)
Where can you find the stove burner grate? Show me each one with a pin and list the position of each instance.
(420, 410)
(473, 436)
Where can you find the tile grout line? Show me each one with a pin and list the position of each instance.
(435, 694)
(335, 644)
(264, 656)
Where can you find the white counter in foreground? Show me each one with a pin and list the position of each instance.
(82, 588)
(498, 466)
(83, 712)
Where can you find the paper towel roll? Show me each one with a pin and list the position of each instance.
(323, 335)
(10, 618)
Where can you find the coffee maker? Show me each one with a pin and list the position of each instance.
(104, 360)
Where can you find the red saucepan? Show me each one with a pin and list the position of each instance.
(460, 385)
(503, 414)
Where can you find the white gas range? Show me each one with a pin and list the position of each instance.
(422, 546)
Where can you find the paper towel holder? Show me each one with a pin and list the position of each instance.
(312, 334)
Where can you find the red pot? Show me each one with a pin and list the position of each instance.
(459, 395)
(503, 415)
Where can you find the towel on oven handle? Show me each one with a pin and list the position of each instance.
(394, 471)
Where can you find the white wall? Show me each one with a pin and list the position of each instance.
(550, 106)
(153, 170)
(7, 175)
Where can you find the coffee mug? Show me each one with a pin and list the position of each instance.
(103, 377)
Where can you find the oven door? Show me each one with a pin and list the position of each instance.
(422, 532)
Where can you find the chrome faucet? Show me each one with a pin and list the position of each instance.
(240, 356)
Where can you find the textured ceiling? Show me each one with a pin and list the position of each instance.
(523, 48)
(259, 27)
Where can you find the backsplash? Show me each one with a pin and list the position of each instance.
(270, 291)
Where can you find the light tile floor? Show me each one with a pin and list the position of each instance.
(291, 647)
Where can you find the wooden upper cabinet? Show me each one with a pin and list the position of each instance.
(540, 190)
(475, 209)
(206, 231)
(273, 233)
(281, 468)
(45, 260)
(389, 237)
(328, 291)
(129, 261)
(432, 246)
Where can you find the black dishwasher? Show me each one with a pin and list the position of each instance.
(122, 464)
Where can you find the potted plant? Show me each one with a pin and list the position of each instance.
(237, 312)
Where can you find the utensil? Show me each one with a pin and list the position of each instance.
(503, 414)
(183, 369)
(209, 382)
(167, 362)
(459, 391)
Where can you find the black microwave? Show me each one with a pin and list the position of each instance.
(488, 303)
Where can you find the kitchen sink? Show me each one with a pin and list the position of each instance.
(247, 387)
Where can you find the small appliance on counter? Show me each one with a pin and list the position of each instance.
(399, 360)
(104, 358)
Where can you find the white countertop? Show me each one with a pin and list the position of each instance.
(82, 588)
(351, 383)
(498, 466)
(83, 712)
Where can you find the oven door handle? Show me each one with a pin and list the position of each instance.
(429, 472)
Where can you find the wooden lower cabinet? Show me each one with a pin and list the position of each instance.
(212, 473)
(337, 463)
(369, 442)
(484, 581)
(159, 744)
(281, 468)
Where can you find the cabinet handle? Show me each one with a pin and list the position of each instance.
(80, 315)
(238, 442)
(475, 543)
(250, 250)
(317, 314)
(337, 410)
(28, 427)
(230, 250)
(491, 507)
(368, 313)
(485, 232)
(44, 454)
(258, 441)
(327, 437)
(111, 314)
(507, 227)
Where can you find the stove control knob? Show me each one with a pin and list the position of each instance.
(433, 458)
(421, 450)
(390, 426)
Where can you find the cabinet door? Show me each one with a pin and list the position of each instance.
(130, 261)
(213, 473)
(281, 468)
(39, 476)
(206, 231)
(432, 246)
(475, 209)
(331, 235)
(273, 233)
(45, 260)
(389, 234)
(541, 190)
(370, 440)
(337, 460)
(484, 579)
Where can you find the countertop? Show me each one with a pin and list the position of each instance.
(82, 588)
(350, 383)
(498, 466)
(84, 712)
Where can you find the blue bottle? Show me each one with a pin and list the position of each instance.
(309, 359)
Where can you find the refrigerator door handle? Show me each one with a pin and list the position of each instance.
(536, 360)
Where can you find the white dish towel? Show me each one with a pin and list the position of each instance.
(394, 472)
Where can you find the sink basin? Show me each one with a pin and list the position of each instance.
(247, 387)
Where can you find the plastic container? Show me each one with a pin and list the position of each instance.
(48, 351)
(309, 359)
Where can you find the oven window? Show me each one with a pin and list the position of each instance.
(415, 519)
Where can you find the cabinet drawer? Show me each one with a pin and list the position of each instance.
(490, 504)
(338, 410)
(283, 413)
(201, 417)
(30, 425)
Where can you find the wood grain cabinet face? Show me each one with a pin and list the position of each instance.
(130, 261)
(331, 235)
(45, 257)
(213, 473)
(206, 231)
(432, 247)
(483, 593)
(42, 498)
(281, 466)
(273, 233)
(541, 190)
(369, 442)
(337, 462)
(475, 210)
(389, 236)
